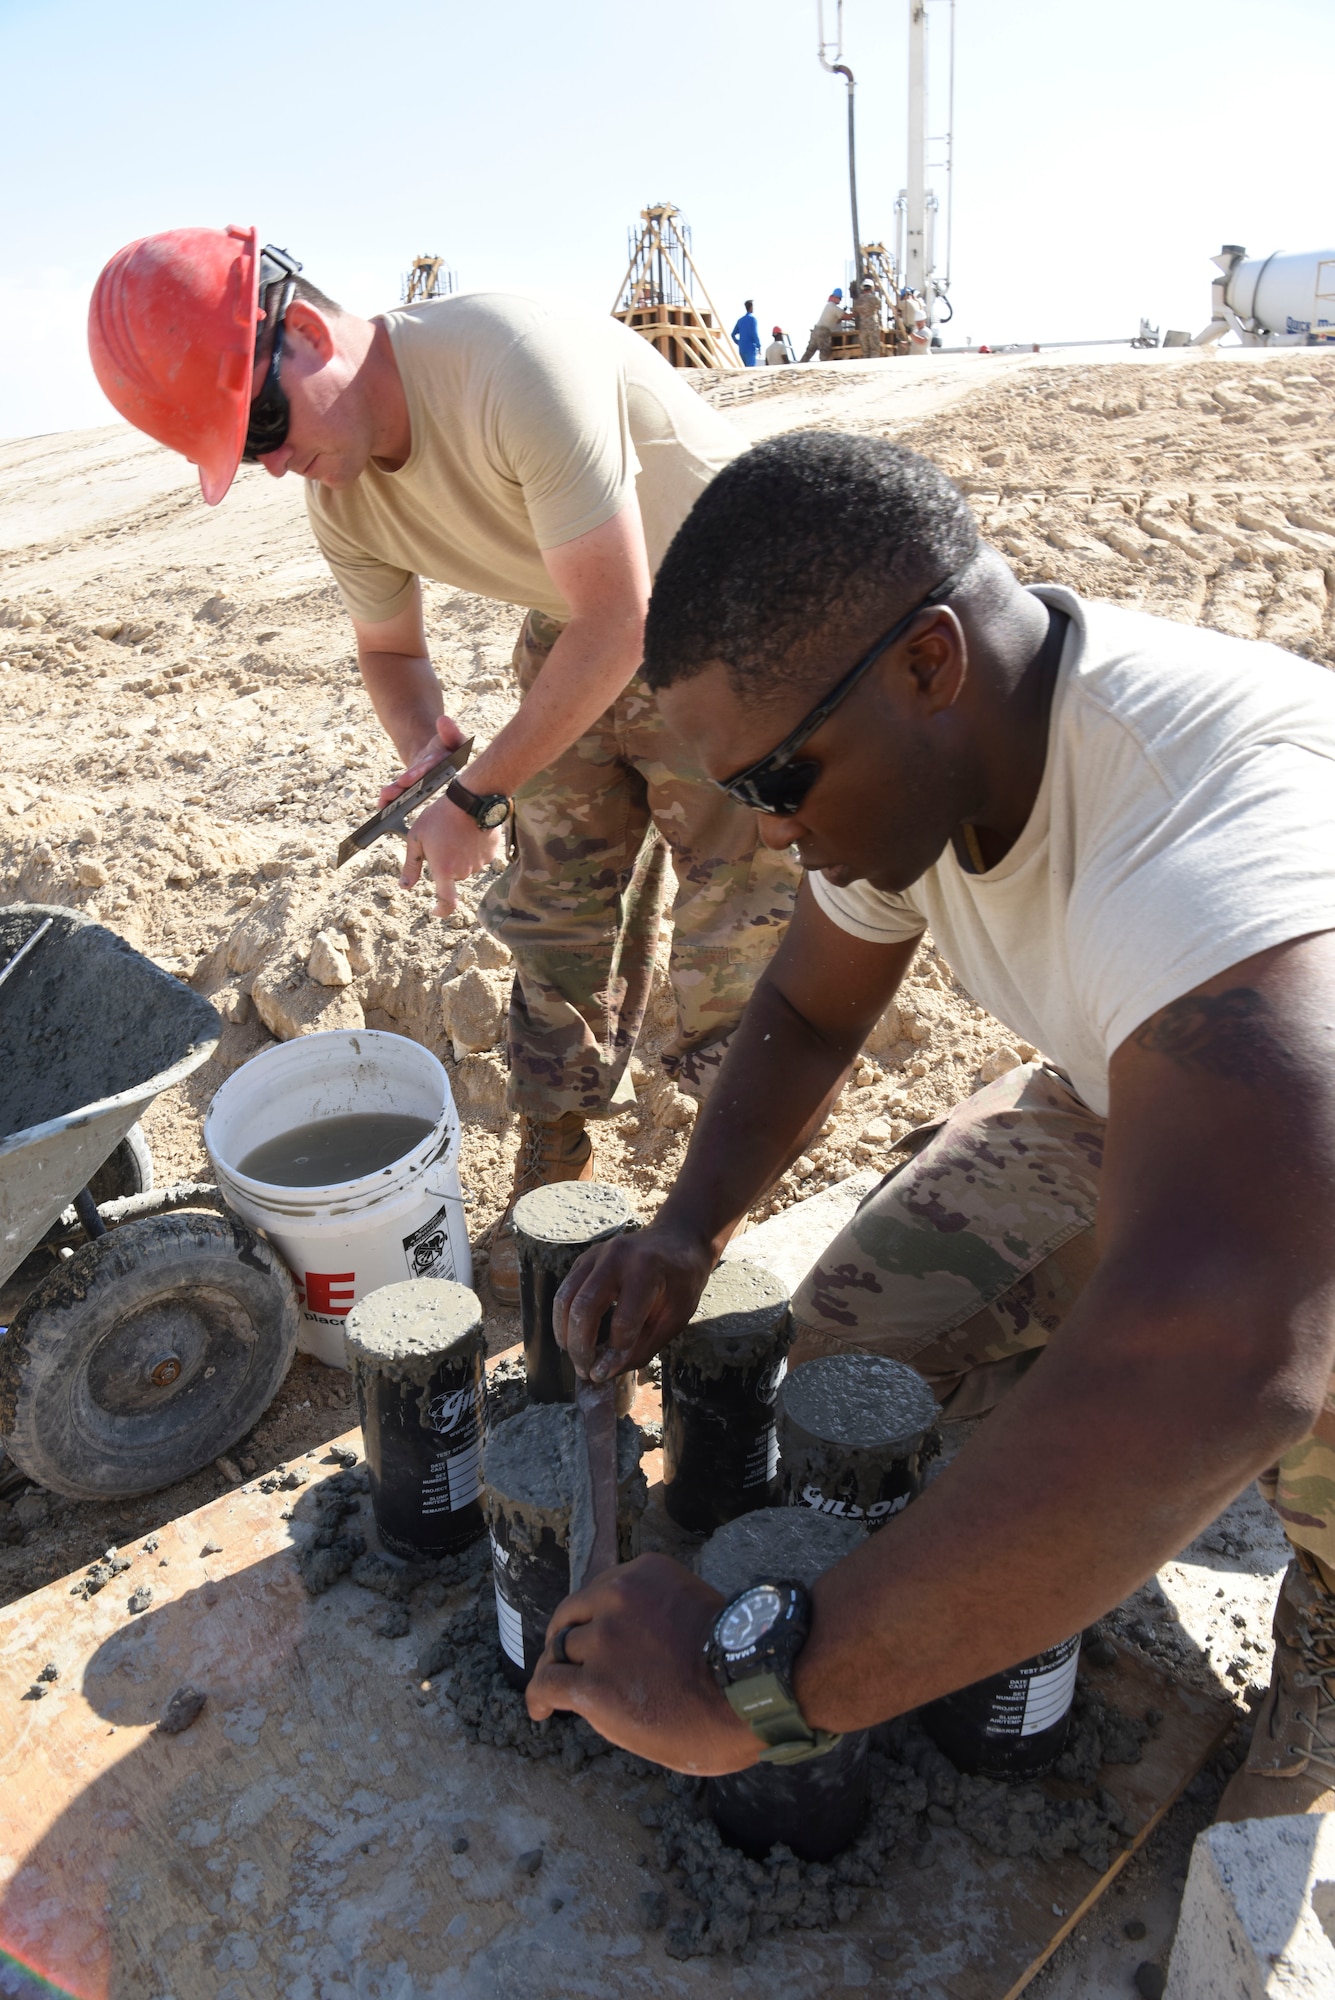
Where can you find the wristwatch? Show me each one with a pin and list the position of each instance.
(488, 809)
(751, 1650)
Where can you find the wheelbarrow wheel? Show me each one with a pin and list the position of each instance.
(145, 1355)
(129, 1170)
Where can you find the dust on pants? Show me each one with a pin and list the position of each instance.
(969, 1256)
(582, 903)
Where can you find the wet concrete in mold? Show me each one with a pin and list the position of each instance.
(865, 1400)
(741, 1317)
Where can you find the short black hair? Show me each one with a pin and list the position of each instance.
(812, 529)
(302, 288)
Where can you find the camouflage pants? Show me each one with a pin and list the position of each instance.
(582, 903)
(968, 1257)
(820, 342)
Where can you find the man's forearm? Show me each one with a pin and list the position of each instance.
(1141, 1422)
(406, 697)
(589, 666)
(754, 1126)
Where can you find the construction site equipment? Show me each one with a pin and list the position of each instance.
(171, 335)
(838, 67)
(429, 278)
(917, 208)
(879, 274)
(1284, 300)
(135, 1359)
(657, 296)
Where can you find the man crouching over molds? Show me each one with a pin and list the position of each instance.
(1122, 833)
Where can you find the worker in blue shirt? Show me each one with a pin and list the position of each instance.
(746, 333)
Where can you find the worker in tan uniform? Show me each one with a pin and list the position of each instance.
(544, 460)
(820, 343)
(867, 319)
(1121, 832)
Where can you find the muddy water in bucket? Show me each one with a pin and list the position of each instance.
(536, 1499)
(720, 1377)
(853, 1434)
(554, 1226)
(814, 1808)
(417, 1355)
(359, 1138)
(335, 1149)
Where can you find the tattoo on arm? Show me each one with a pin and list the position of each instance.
(1233, 1035)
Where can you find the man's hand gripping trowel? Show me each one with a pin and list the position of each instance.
(597, 1406)
(394, 818)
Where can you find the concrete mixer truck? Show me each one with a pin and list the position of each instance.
(1284, 300)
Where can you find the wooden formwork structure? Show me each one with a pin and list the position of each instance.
(657, 296)
(429, 278)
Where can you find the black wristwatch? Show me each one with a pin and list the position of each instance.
(488, 809)
(752, 1648)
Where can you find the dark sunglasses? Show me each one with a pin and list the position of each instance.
(270, 411)
(778, 783)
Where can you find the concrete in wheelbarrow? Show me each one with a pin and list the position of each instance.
(298, 1838)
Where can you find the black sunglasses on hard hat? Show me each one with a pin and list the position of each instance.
(270, 412)
(777, 783)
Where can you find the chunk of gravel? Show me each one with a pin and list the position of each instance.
(183, 1709)
(730, 1899)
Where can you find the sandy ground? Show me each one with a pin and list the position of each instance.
(183, 740)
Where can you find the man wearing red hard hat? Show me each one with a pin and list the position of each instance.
(490, 442)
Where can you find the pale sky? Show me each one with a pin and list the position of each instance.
(1104, 150)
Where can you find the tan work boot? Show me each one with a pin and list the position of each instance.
(1290, 1767)
(550, 1150)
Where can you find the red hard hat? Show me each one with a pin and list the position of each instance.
(171, 333)
(778, 333)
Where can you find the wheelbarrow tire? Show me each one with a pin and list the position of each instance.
(129, 1170)
(148, 1353)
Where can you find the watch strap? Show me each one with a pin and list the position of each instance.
(471, 802)
(767, 1707)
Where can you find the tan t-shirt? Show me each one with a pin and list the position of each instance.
(1185, 821)
(529, 428)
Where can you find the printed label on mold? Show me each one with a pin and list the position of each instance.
(511, 1629)
(848, 1510)
(452, 1480)
(1037, 1695)
(762, 1461)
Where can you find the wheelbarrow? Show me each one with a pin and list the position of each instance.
(144, 1352)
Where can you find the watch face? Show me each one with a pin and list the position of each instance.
(746, 1621)
(493, 813)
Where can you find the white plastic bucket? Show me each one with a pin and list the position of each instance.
(347, 1239)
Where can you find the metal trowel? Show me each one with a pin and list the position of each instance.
(393, 818)
(597, 1406)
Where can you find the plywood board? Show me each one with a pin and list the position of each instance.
(297, 1841)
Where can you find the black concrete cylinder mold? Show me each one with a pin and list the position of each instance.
(1011, 1725)
(816, 1807)
(720, 1378)
(536, 1499)
(554, 1226)
(853, 1435)
(416, 1352)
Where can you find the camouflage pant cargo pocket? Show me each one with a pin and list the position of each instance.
(582, 904)
(967, 1257)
